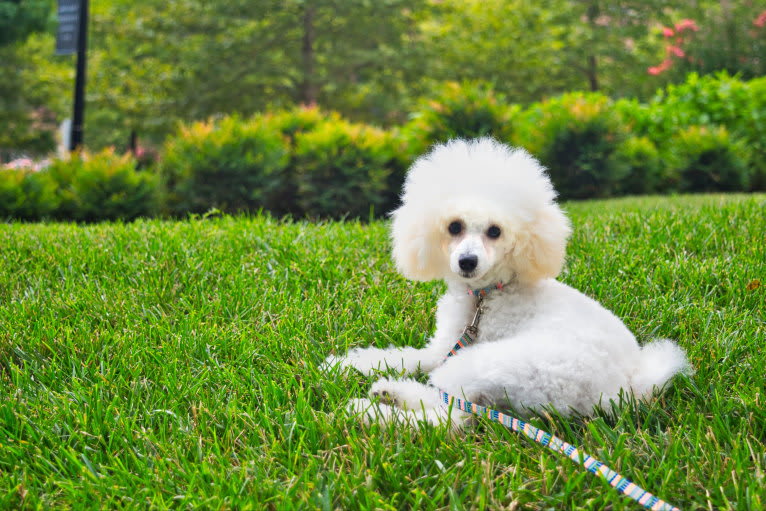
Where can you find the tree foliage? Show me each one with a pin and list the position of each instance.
(192, 59)
(20, 18)
(153, 64)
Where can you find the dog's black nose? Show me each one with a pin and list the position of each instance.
(468, 262)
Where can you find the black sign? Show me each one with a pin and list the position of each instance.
(69, 27)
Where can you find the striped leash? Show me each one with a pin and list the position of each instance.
(543, 438)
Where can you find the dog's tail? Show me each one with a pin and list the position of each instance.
(658, 362)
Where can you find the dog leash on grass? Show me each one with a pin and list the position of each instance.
(543, 438)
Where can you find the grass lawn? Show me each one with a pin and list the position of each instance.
(174, 364)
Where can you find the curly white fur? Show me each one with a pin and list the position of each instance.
(476, 213)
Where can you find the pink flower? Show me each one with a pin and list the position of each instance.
(675, 50)
(667, 32)
(760, 21)
(662, 67)
(26, 164)
(686, 24)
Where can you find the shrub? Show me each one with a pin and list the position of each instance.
(465, 110)
(229, 164)
(639, 158)
(291, 123)
(576, 136)
(102, 186)
(342, 168)
(712, 101)
(26, 194)
(706, 159)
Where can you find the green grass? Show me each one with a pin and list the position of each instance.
(174, 364)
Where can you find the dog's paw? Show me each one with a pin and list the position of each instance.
(406, 394)
(385, 397)
(383, 392)
(365, 360)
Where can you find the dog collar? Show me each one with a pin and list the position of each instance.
(484, 290)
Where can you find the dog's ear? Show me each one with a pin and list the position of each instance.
(540, 253)
(417, 247)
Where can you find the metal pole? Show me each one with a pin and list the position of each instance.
(75, 141)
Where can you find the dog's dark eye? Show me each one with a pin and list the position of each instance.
(493, 232)
(455, 228)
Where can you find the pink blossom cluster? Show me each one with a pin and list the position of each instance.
(27, 164)
(673, 48)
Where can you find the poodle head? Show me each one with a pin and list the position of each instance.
(477, 213)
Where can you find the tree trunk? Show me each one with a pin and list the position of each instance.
(592, 68)
(592, 73)
(308, 87)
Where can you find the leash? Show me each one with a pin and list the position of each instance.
(543, 438)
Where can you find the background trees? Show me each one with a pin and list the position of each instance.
(28, 112)
(153, 64)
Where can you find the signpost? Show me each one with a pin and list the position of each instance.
(72, 37)
(69, 27)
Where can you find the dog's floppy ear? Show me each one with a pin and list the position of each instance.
(540, 253)
(417, 247)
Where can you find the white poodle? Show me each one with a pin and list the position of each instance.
(481, 215)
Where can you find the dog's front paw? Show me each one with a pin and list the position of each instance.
(405, 394)
(382, 392)
(365, 360)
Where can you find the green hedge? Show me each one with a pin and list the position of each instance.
(711, 102)
(706, 159)
(707, 134)
(26, 195)
(229, 164)
(342, 169)
(641, 166)
(576, 136)
(459, 110)
(86, 187)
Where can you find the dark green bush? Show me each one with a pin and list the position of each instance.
(229, 164)
(295, 123)
(707, 159)
(342, 169)
(639, 158)
(301, 119)
(712, 101)
(576, 136)
(26, 194)
(102, 186)
(465, 110)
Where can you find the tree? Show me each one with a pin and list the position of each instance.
(531, 50)
(154, 62)
(28, 106)
(715, 36)
(20, 18)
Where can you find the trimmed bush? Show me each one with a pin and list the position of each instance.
(291, 123)
(465, 110)
(229, 164)
(712, 101)
(639, 158)
(706, 159)
(576, 136)
(26, 194)
(102, 186)
(342, 169)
